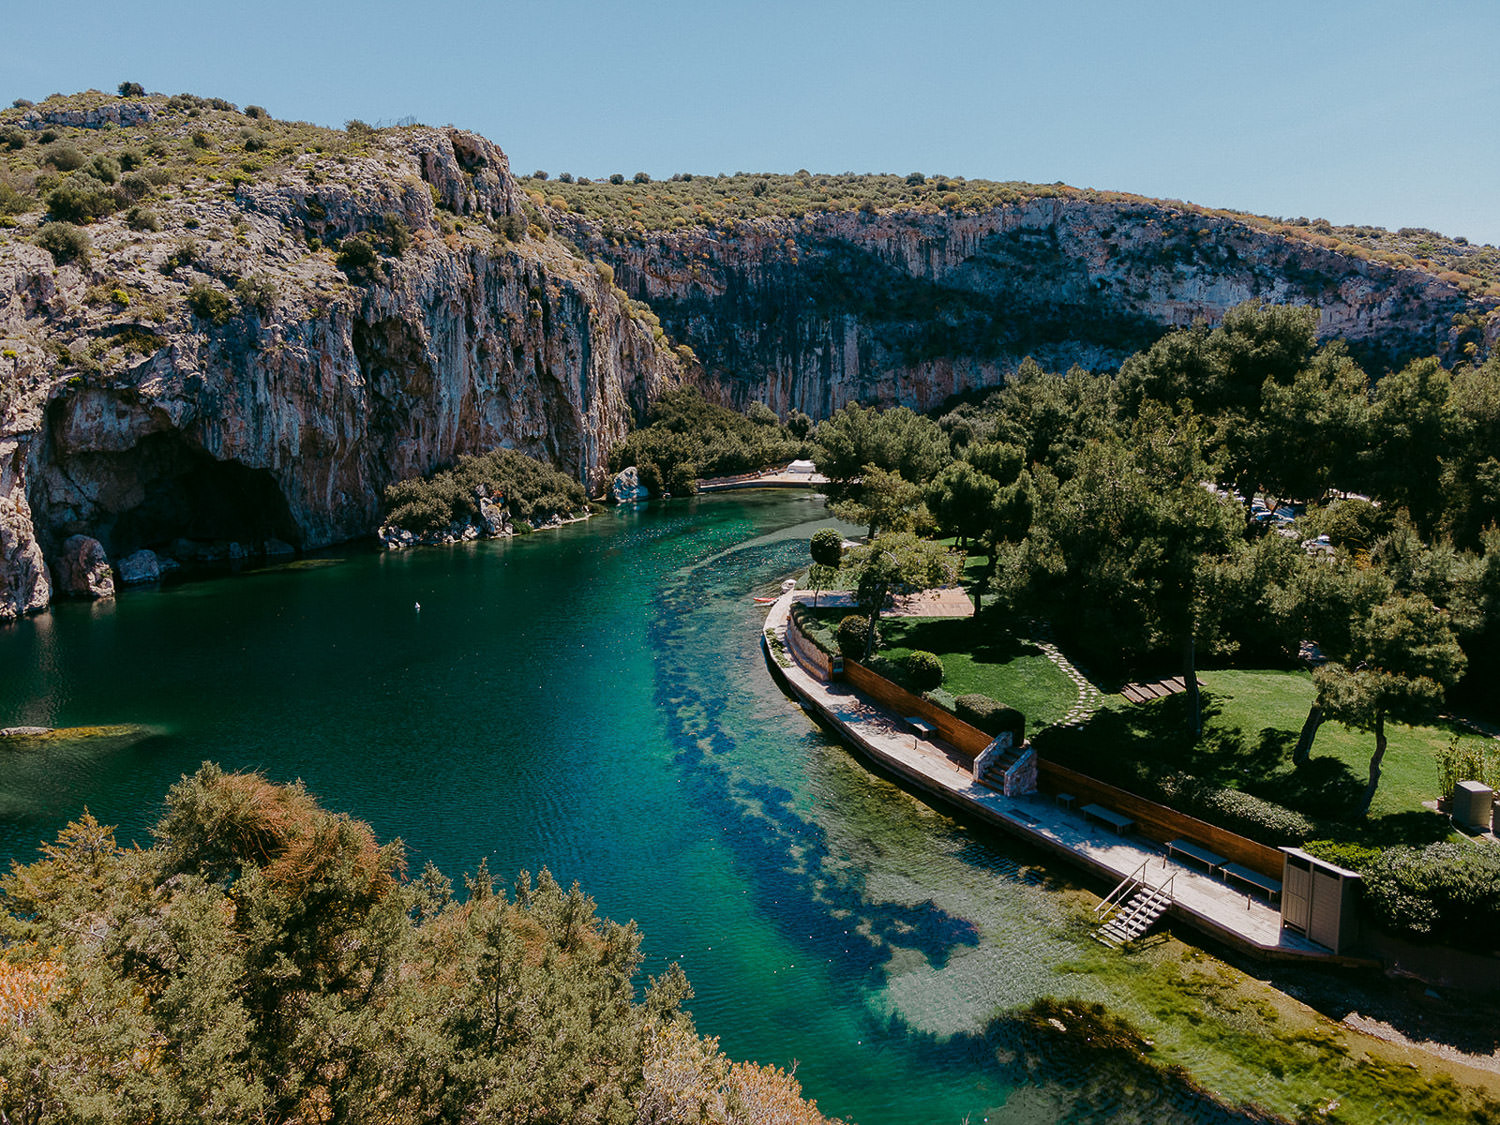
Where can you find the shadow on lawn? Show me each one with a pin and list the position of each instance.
(984, 643)
(1132, 747)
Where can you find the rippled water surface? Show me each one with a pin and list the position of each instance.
(593, 700)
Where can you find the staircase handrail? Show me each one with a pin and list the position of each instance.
(1128, 884)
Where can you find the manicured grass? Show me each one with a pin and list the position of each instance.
(976, 656)
(1255, 702)
(1251, 721)
(979, 658)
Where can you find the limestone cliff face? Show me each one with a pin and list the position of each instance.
(284, 412)
(911, 307)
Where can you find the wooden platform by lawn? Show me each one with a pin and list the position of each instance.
(1155, 689)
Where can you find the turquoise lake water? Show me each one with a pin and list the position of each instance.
(593, 700)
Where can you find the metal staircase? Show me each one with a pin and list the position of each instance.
(1132, 908)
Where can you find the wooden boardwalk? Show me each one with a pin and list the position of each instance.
(1156, 689)
(1206, 903)
(777, 479)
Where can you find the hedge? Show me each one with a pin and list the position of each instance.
(1265, 821)
(990, 715)
(1444, 892)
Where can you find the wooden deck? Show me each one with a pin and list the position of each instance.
(1156, 689)
(1240, 920)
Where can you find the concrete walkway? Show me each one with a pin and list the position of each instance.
(1208, 905)
(776, 479)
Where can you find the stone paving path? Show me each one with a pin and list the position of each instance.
(1089, 694)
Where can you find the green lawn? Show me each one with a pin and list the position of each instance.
(1251, 721)
(976, 658)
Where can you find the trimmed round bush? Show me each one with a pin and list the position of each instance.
(924, 671)
(827, 547)
(852, 635)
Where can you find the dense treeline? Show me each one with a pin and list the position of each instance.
(686, 438)
(530, 491)
(1234, 492)
(267, 961)
(1147, 513)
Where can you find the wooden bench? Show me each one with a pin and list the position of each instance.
(920, 726)
(1253, 879)
(1187, 848)
(1121, 824)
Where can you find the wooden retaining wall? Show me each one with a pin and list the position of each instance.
(967, 740)
(805, 653)
(1158, 822)
(1154, 821)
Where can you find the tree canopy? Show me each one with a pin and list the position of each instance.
(268, 961)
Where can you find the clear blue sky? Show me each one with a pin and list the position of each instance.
(1382, 111)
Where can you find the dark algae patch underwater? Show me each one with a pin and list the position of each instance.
(595, 701)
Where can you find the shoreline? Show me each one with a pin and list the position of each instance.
(1240, 922)
(989, 808)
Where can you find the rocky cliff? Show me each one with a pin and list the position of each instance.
(221, 333)
(228, 378)
(911, 305)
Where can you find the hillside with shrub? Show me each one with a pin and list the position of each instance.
(450, 501)
(632, 205)
(687, 438)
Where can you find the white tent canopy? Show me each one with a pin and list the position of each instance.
(805, 467)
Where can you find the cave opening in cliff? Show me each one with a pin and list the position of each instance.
(190, 495)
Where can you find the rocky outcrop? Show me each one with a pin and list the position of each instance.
(913, 306)
(118, 114)
(140, 568)
(24, 584)
(160, 424)
(627, 487)
(83, 569)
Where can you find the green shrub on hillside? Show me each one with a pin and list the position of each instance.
(358, 259)
(65, 242)
(142, 218)
(80, 199)
(529, 489)
(209, 303)
(63, 157)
